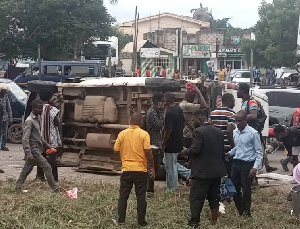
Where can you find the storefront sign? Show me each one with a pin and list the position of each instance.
(223, 53)
(196, 51)
(150, 52)
(230, 50)
(127, 55)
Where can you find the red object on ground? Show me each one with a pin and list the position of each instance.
(296, 117)
(271, 132)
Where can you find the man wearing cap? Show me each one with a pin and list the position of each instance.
(6, 115)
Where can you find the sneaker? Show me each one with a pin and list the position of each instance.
(270, 169)
(143, 224)
(5, 148)
(116, 223)
(284, 166)
(194, 225)
(1, 171)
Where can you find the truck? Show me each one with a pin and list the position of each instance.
(107, 52)
(94, 111)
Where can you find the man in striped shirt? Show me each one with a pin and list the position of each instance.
(223, 118)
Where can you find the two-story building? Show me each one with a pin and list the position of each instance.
(192, 39)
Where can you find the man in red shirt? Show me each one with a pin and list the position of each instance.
(148, 72)
(163, 72)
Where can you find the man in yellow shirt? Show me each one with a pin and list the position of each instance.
(133, 144)
(221, 74)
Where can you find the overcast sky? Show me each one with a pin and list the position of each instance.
(244, 13)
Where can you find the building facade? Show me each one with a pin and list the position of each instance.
(215, 46)
(201, 47)
(163, 21)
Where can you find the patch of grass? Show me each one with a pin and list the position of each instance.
(97, 205)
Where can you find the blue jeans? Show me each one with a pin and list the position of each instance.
(173, 169)
(4, 128)
(286, 161)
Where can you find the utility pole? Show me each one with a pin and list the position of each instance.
(109, 61)
(181, 52)
(134, 54)
(39, 61)
(251, 69)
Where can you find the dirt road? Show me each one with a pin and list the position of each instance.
(11, 162)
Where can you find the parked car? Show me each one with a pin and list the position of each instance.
(282, 103)
(241, 76)
(57, 71)
(18, 100)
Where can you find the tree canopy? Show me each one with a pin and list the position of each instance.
(61, 27)
(276, 34)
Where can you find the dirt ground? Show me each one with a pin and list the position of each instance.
(11, 162)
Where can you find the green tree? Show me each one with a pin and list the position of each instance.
(61, 27)
(276, 34)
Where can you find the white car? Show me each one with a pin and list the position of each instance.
(241, 76)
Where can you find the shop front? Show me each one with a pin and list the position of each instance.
(155, 59)
(231, 58)
(195, 58)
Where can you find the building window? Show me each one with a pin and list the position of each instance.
(162, 62)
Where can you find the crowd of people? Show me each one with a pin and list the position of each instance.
(222, 143)
(215, 144)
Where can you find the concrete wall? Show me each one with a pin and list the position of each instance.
(166, 38)
(162, 23)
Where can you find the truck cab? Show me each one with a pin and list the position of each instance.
(57, 71)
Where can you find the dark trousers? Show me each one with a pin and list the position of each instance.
(228, 165)
(157, 159)
(200, 190)
(52, 160)
(242, 182)
(4, 127)
(127, 180)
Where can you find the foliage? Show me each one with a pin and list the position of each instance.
(202, 13)
(276, 34)
(96, 206)
(229, 31)
(59, 26)
(123, 39)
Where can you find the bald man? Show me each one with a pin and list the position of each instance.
(133, 144)
(247, 156)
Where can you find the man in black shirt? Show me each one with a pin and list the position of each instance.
(207, 163)
(155, 121)
(173, 143)
(291, 140)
